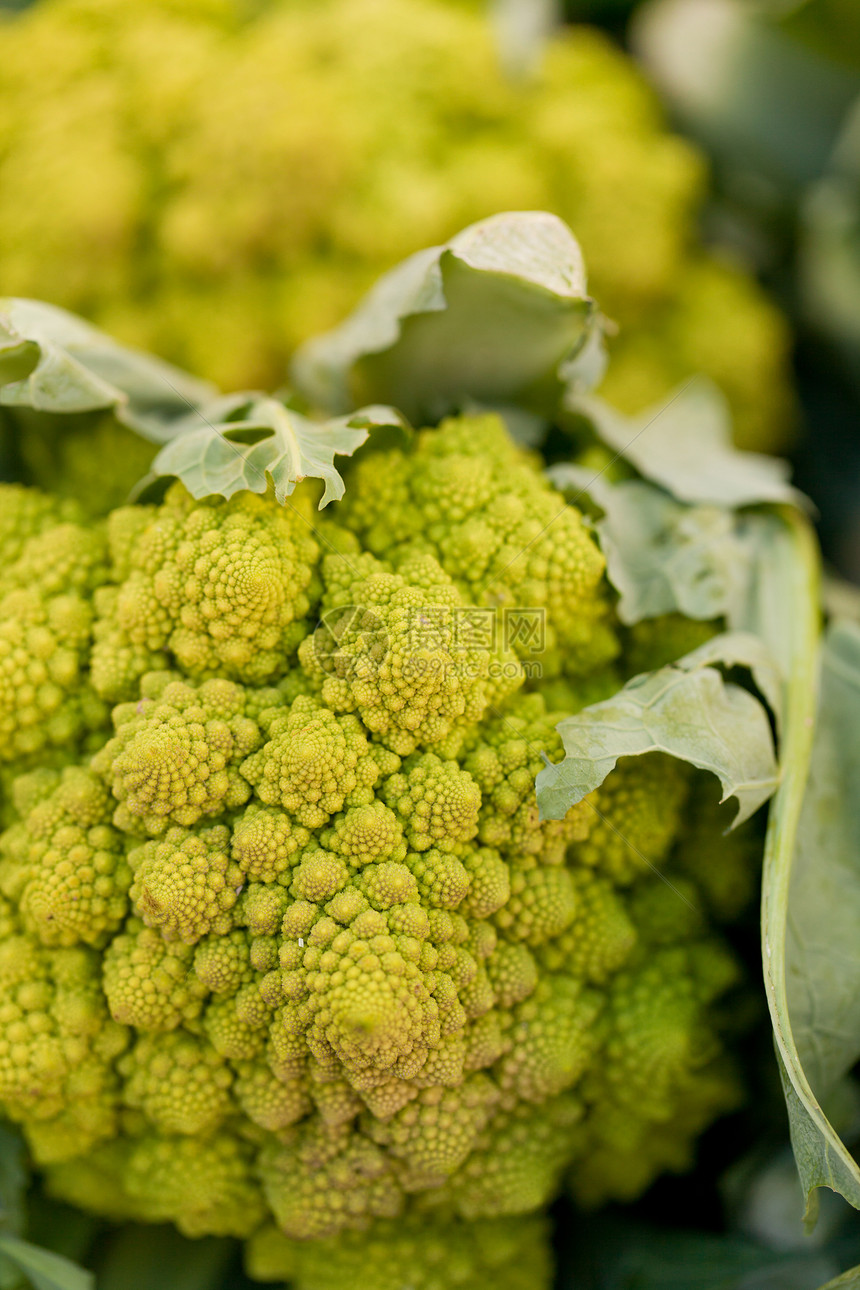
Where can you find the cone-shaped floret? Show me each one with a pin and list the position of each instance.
(498, 528)
(185, 883)
(212, 586)
(437, 802)
(148, 981)
(68, 862)
(178, 1081)
(176, 753)
(404, 651)
(314, 763)
(504, 761)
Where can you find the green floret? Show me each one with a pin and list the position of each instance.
(185, 883)
(179, 1082)
(205, 1187)
(638, 814)
(45, 701)
(68, 865)
(57, 1049)
(542, 903)
(325, 1178)
(518, 1161)
(434, 1134)
(663, 1066)
(267, 844)
(601, 936)
(422, 1251)
(26, 512)
(223, 962)
(436, 801)
(398, 649)
(504, 763)
(50, 568)
(266, 1100)
(366, 834)
(315, 762)
(176, 754)
(148, 981)
(553, 1039)
(213, 586)
(499, 530)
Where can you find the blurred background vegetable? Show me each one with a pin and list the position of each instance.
(217, 179)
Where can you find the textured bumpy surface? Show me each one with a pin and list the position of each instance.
(213, 156)
(286, 951)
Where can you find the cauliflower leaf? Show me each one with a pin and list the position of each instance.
(687, 710)
(246, 441)
(53, 361)
(811, 908)
(517, 280)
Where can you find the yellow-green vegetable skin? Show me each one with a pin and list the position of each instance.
(218, 180)
(290, 956)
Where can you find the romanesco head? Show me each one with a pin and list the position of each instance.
(292, 948)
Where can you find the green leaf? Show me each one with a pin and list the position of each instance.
(849, 1280)
(44, 1270)
(489, 317)
(54, 362)
(687, 710)
(247, 441)
(663, 556)
(684, 445)
(811, 900)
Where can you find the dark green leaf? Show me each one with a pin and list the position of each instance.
(489, 317)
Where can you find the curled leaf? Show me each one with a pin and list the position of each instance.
(684, 445)
(54, 362)
(489, 317)
(662, 555)
(687, 710)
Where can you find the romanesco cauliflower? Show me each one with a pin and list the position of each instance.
(242, 172)
(287, 952)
